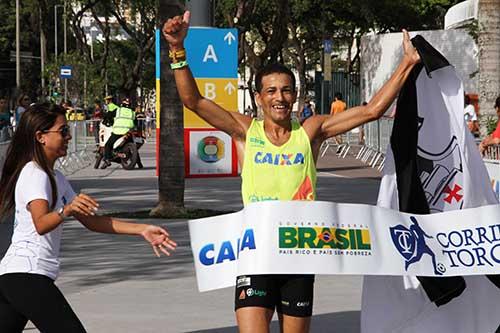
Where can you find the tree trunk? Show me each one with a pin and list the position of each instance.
(489, 59)
(171, 159)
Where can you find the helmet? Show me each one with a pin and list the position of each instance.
(108, 97)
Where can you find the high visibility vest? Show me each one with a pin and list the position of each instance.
(112, 107)
(124, 121)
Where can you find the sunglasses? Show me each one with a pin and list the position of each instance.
(63, 130)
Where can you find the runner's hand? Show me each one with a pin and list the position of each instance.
(82, 204)
(175, 30)
(409, 50)
(159, 240)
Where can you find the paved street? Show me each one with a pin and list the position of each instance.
(115, 284)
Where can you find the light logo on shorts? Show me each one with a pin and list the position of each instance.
(213, 254)
(211, 149)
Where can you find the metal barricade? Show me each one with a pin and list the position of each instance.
(492, 152)
(80, 147)
(377, 138)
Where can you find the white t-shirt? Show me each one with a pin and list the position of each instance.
(30, 252)
(470, 113)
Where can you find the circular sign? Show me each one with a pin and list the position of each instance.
(211, 149)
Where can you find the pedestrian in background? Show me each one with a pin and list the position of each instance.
(4, 119)
(43, 200)
(493, 138)
(23, 101)
(96, 120)
(306, 111)
(470, 116)
(338, 106)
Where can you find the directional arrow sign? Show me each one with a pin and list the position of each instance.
(229, 88)
(229, 38)
(221, 91)
(212, 52)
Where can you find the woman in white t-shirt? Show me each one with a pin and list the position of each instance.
(43, 199)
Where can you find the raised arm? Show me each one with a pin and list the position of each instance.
(233, 123)
(327, 126)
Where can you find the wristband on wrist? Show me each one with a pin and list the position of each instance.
(179, 65)
(177, 56)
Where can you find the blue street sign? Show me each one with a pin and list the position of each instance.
(327, 45)
(212, 53)
(66, 72)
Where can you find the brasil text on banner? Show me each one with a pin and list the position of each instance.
(299, 237)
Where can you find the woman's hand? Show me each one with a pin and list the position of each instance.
(175, 30)
(82, 204)
(159, 239)
(409, 50)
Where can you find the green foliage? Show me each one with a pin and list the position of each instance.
(491, 124)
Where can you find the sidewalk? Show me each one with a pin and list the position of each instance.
(115, 284)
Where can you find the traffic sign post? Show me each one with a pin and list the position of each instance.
(66, 72)
(212, 55)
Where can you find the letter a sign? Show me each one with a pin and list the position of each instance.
(212, 53)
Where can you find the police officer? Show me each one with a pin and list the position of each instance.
(124, 121)
(109, 111)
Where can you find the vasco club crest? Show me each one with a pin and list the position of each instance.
(441, 177)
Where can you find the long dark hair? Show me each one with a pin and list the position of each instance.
(24, 148)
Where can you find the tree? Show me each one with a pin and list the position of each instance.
(489, 59)
(171, 154)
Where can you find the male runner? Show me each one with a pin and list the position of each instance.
(278, 158)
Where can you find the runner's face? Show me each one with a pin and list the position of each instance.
(277, 96)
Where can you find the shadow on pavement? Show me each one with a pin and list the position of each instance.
(345, 322)
(91, 259)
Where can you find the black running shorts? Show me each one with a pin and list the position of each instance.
(291, 295)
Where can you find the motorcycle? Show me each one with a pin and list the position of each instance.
(125, 149)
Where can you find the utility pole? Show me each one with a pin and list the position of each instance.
(18, 49)
(55, 32)
(43, 43)
(65, 52)
(201, 12)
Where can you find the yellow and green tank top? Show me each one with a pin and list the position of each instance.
(283, 173)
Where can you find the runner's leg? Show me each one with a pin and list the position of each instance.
(254, 319)
(255, 300)
(296, 303)
(290, 324)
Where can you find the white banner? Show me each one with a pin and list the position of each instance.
(299, 237)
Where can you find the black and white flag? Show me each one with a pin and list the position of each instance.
(432, 165)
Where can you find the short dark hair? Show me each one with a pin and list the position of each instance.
(497, 102)
(338, 95)
(271, 69)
